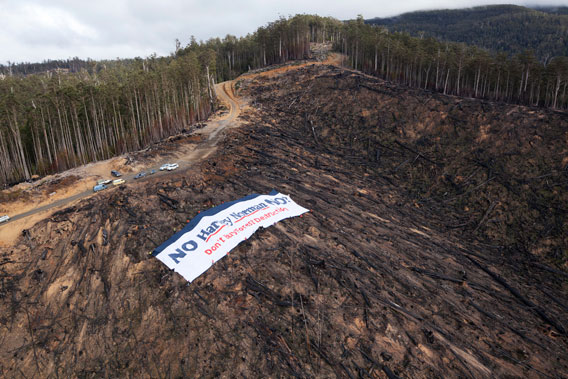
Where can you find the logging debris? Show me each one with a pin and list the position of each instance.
(370, 283)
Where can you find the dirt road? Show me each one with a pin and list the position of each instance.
(212, 131)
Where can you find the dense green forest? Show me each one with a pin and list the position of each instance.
(501, 28)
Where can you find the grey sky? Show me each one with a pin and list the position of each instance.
(36, 30)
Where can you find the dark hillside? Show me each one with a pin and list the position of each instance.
(507, 28)
(552, 10)
(501, 169)
(378, 280)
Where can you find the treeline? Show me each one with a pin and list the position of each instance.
(74, 112)
(280, 41)
(61, 65)
(70, 65)
(455, 68)
(62, 118)
(502, 28)
(53, 121)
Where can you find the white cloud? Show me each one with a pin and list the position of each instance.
(37, 24)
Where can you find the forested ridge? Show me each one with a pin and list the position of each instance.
(277, 42)
(69, 65)
(88, 110)
(57, 120)
(501, 28)
(455, 68)
(59, 114)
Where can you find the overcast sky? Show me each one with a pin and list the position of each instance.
(36, 30)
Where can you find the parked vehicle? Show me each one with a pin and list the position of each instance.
(140, 175)
(99, 187)
(115, 173)
(169, 166)
(118, 182)
(104, 181)
(4, 219)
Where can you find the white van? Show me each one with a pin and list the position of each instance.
(169, 166)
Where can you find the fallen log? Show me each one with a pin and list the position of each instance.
(260, 288)
(550, 269)
(495, 318)
(436, 275)
(539, 311)
(172, 203)
(417, 153)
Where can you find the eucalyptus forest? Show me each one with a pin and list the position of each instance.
(55, 118)
(456, 68)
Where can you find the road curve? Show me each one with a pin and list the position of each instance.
(225, 94)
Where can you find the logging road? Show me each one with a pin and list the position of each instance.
(213, 128)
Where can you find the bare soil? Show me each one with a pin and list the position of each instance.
(371, 283)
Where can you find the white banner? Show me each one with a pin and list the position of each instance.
(215, 232)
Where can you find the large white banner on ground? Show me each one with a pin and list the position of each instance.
(215, 232)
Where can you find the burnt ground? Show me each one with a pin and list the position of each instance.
(403, 267)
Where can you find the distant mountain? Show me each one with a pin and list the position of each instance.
(552, 10)
(507, 28)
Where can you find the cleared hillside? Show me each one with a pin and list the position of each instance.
(499, 170)
(370, 283)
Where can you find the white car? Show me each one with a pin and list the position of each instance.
(169, 166)
(4, 218)
(104, 181)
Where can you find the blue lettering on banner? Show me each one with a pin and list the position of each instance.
(207, 213)
(187, 246)
(277, 201)
(215, 226)
(212, 234)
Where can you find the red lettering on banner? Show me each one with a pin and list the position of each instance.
(207, 240)
(252, 222)
(212, 249)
